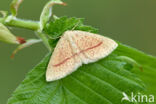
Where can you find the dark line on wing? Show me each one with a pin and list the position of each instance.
(56, 65)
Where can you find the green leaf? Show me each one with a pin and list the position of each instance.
(4, 13)
(14, 6)
(102, 82)
(6, 36)
(47, 12)
(57, 27)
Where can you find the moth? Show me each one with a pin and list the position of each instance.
(76, 48)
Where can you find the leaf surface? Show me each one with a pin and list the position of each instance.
(102, 82)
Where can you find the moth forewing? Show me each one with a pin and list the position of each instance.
(61, 63)
(93, 46)
(76, 48)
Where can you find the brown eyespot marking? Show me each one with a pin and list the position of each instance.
(76, 48)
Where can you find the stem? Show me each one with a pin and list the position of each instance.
(27, 24)
(44, 39)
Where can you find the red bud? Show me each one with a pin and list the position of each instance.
(21, 40)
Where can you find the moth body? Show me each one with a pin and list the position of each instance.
(76, 48)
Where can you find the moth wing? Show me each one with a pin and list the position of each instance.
(93, 46)
(69, 54)
(63, 61)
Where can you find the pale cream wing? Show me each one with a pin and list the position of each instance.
(63, 61)
(93, 46)
(77, 52)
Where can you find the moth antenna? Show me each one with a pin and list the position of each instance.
(56, 37)
(76, 25)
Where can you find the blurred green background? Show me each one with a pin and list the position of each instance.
(132, 22)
